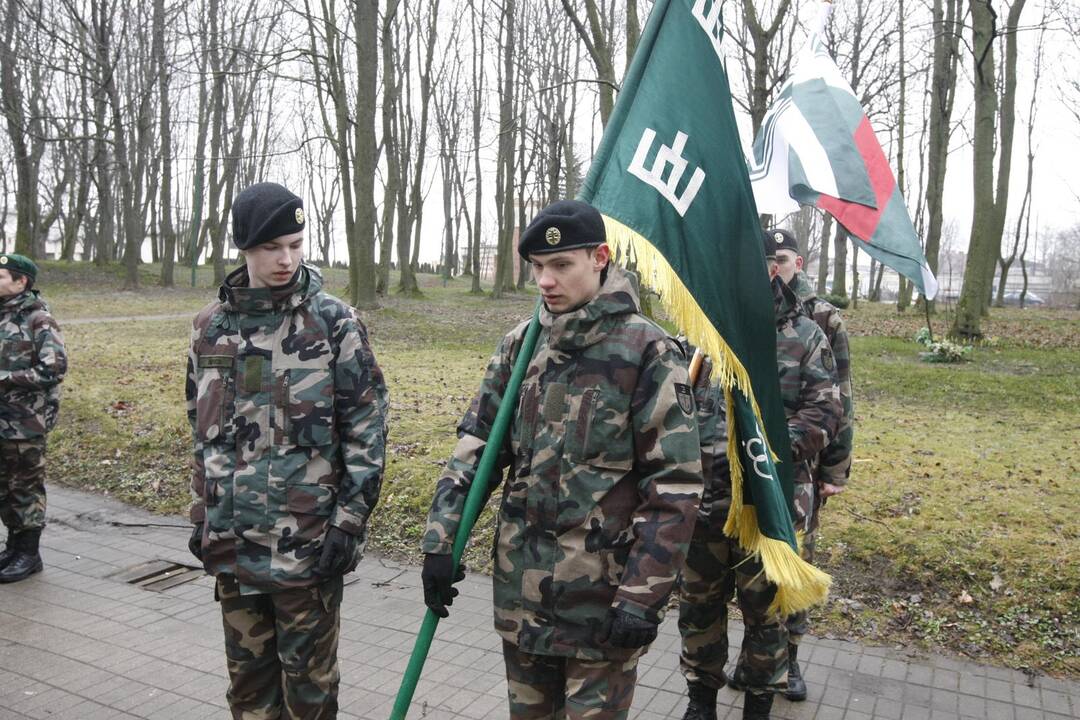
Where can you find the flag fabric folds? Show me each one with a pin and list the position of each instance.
(816, 147)
(671, 180)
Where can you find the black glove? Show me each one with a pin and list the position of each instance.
(338, 553)
(623, 630)
(438, 578)
(194, 543)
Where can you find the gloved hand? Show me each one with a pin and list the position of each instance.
(194, 543)
(623, 630)
(338, 553)
(438, 578)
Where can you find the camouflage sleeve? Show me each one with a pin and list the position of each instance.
(814, 424)
(712, 429)
(197, 513)
(50, 365)
(453, 487)
(835, 460)
(361, 406)
(667, 460)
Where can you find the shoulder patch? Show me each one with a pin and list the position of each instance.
(685, 397)
(827, 359)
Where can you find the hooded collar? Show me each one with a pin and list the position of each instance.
(237, 295)
(802, 287)
(13, 303)
(785, 302)
(592, 322)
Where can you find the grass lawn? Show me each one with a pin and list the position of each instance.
(956, 531)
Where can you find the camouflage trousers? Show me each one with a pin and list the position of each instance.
(716, 568)
(544, 687)
(281, 650)
(22, 484)
(798, 624)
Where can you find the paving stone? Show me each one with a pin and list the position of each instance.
(77, 644)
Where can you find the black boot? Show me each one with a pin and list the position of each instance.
(26, 561)
(796, 686)
(8, 553)
(702, 704)
(757, 707)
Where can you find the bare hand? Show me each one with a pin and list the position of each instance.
(828, 490)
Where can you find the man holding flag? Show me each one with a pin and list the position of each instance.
(603, 483)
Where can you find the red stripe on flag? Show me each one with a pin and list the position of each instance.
(860, 220)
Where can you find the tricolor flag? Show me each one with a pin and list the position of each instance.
(816, 147)
(671, 180)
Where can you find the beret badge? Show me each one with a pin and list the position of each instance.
(553, 236)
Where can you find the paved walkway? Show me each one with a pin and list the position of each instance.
(77, 642)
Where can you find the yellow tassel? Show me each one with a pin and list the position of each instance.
(799, 584)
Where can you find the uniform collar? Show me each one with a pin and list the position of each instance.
(236, 295)
(802, 287)
(592, 322)
(14, 302)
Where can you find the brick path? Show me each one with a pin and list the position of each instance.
(76, 643)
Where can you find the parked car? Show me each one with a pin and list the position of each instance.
(1013, 298)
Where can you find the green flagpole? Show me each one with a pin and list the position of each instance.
(474, 503)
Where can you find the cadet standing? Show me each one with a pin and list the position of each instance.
(288, 409)
(810, 389)
(32, 366)
(831, 468)
(715, 567)
(603, 483)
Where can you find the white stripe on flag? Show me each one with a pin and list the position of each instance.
(802, 140)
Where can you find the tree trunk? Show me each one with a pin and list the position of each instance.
(839, 281)
(362, 271)
(167, 231)
(946, 54)
(988, 215)
(823, 258)
(504, 274)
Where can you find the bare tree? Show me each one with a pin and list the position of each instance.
(599, 40)
(1024, 216)
(993, 135)
(504, 182)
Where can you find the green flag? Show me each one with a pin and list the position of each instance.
(671, 180)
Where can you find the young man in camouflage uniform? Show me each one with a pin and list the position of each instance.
(288, 409)
(830, 469)
(810, 390)
(603, 483)
(32, 366)
(715, 568)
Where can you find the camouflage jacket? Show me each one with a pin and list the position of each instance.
(33, 362)
(808, 385)
(288, 409)
(604, 475)
(834, 462)
(711, 408)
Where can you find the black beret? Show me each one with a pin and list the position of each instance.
(19, 264)
(265, 211)
(785, 240)
(768, 244)
(562, 225)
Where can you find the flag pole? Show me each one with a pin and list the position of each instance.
(474, 503)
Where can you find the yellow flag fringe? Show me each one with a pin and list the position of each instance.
(799, 585)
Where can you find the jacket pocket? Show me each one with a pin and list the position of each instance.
(602, 435)
(16, 354)
(309, 406)
(215, 398)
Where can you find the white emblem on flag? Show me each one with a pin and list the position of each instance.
(760, 460)
(710, 22)
(667, 156)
